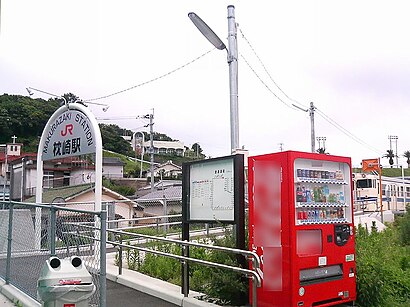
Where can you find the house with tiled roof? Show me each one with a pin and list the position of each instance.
(82, 197)
(163, 200)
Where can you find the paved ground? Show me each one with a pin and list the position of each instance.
(5, 302)
(119, 295)
(26, 270)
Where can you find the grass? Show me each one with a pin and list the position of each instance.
(130, 166)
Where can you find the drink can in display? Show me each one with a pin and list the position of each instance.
(299, 173)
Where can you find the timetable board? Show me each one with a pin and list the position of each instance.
(211, 190)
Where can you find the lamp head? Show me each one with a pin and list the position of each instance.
(206, 31)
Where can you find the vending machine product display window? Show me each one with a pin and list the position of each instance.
(301, 225)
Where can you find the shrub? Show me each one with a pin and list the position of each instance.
(383, 274)
(221, 285)
(404, 228)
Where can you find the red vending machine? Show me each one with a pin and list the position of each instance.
(301, 225)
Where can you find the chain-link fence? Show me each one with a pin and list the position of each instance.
(31, 233)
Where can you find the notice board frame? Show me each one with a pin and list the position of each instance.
(239, 208)
(238, 189)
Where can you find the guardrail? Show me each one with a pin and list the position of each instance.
(252, 256)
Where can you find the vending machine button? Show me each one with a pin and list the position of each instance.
(329, 239)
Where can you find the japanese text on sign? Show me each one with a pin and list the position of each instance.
(71, 134)
(212, 191)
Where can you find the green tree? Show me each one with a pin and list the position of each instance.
(24, 117)
(112, 140)
(71, 98)
(390, 155)
(407, 156)
(197, 150)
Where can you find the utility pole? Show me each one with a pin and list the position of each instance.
(311, 111)
(151, 149)
(312, 126)
(394, 138)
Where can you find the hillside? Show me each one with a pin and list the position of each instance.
(388, 172)
(26, 118)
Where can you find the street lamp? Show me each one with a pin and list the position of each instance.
(232, 52)
(31, 89)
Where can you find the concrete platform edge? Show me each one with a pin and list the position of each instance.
(154, 287)
(16, 295)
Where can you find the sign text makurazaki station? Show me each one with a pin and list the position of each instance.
(69, 135)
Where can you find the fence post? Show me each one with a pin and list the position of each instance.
(166, 216)
(103, 259)
(9, 243)
(185, 271)
(52, 234)
(120, 257)
(254, 292)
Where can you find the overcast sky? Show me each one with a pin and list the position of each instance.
(351, 58)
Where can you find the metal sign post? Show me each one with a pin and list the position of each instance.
(71, 131)
(213, 192)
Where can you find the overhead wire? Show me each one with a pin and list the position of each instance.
(321, 113)
(154, 79)
(347, 132)
(260, 79)
(266, 70)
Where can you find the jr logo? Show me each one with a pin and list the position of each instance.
(67, 129)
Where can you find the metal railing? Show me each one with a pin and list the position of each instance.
(184, 258)
(65, 231)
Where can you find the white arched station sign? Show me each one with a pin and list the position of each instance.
(69, 134)
(71, 131)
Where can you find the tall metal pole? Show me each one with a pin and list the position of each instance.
(151, 138)
(142, 148)
(233, 78)
(5, 175)
(404, 186)
(381, 194)
(312, 126)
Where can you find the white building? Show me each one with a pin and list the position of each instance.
(166, 147)
(167, 169)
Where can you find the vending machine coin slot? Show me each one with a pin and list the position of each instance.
(329, 239)
(342, 234)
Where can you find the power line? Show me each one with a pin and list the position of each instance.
(267, 87)
(347, 132)
(152, 80)
(323, 115)
(266, 70)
